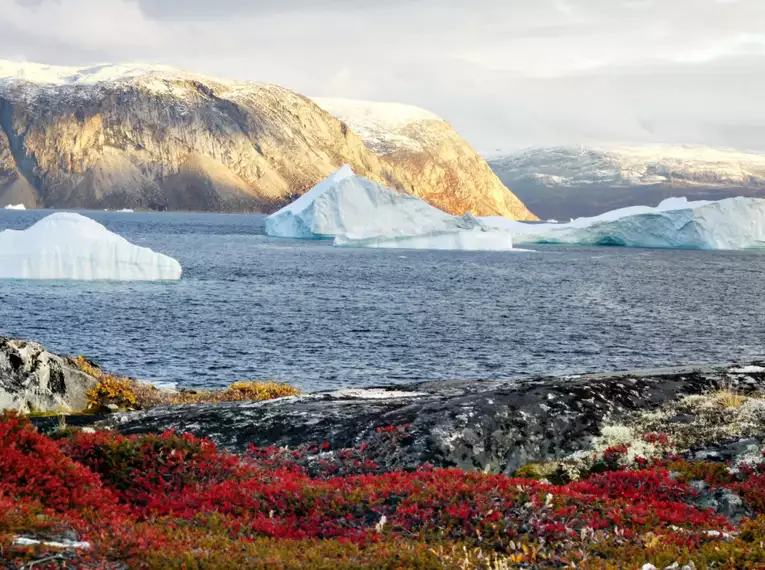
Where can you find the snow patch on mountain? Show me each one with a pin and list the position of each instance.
(384, 127)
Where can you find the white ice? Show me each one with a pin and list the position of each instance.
(71, 246)
(747, 370)
(730, 224)
(15, 207)
(358, 212)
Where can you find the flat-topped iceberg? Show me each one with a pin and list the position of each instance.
(358, 212)
(733, 223)
(71, 246)
(15, 207)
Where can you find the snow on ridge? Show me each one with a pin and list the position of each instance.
(382, 126)
(393, 116)
(634, 165)
(55, 75)
(29, 80)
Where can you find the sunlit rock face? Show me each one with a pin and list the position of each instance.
(153, 137)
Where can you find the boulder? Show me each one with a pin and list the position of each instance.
(33, 380)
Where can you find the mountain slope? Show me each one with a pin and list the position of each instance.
(443, 168)
(564, 182)
(133, 136)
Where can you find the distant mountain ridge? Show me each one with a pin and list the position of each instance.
(138, 136)
(564, 182)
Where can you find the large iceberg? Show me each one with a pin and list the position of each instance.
(733, 223)
(71, 246)
(358, 212)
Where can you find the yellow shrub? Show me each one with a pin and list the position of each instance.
(111, 391)
(128, 393)
(257, 391)
(728, 398)
(90, 369)
(236, 392)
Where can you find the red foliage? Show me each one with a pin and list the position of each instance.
(140, 494)
(31, 466)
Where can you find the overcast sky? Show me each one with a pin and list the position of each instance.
(505, 73)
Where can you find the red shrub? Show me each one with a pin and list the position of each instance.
(139, 469)
(32, 466)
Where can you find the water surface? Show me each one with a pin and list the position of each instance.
(251, 307)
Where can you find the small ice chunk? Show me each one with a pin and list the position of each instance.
(375, 394)
(15, 207)
(747, 370)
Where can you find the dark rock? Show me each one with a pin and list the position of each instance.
(35, 380)
(722, 501)
(731, 452)
(496, 426)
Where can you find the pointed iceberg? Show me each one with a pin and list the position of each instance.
(71, 246)
(358, 212)
(297, 220)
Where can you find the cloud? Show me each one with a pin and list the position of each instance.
(82, 24)
(506, 73)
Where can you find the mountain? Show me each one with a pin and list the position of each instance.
(444, 169)
(136, 136)
(566, 182)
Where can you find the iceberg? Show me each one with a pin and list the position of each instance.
(357, 212)
(71, 246)
(15, 207)
(730, 224)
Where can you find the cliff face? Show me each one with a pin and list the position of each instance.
(443, 169)
(158, 138)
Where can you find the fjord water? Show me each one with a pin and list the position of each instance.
(251, 307)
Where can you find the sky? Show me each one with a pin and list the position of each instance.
(507, 74)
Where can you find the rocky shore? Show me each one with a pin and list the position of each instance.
(487, 426)
(645, 469)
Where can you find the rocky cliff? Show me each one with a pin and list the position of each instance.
(158, 138)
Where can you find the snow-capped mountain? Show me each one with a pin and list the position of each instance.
(563, 182)
(141, 136)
